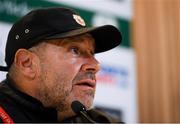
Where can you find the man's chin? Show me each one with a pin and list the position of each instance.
(87, 103)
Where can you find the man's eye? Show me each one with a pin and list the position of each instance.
(75, 50)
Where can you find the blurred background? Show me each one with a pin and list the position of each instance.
(139, 80)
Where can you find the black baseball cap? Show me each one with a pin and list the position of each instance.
(54, 23)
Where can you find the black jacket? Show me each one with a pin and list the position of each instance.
(20, 107)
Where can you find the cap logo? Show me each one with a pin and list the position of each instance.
(79, 20)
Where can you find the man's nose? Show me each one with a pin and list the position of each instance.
(91, 65)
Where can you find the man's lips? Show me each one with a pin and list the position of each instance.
(87, 82)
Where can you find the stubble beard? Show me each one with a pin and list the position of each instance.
(57, 95)
(53, 95)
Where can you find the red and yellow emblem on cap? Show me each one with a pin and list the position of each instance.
(79, 20)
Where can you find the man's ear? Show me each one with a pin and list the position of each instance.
(24, 62)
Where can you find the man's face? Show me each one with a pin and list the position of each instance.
(67, 72)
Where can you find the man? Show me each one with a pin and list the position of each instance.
(50, 63)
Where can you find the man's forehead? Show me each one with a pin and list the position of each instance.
(82, 38)
(74, 40)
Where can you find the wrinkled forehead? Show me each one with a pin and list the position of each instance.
(85, 41)
(81, 39)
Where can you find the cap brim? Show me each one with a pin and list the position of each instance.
(106, 37)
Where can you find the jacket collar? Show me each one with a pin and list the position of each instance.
(26, 100)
